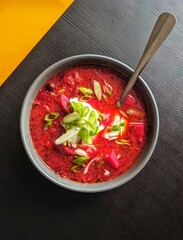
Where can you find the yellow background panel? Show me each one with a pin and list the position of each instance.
(22, 24)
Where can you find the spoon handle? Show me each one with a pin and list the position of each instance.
(162, 28)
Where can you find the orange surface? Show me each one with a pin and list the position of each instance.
(22, 24)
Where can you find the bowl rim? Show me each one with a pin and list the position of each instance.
(39, 163)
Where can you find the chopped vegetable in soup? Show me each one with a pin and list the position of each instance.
(78, 130)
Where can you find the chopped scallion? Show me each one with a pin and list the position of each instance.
(76, 168)
(122, 124)
(68, 125)
(78, 107)
(80, 160)
(85, 111)
(48, 124)
(85, 98)
(107, 90)
(100, 116)
(80, 122)
(85, 135)
(85, 90)
(115, 128)
(49, 118)
(97, 89)
(71, 117)
(123, 141)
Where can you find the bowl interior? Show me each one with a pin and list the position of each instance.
(84, 60)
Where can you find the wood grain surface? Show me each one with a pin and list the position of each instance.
(148, 207)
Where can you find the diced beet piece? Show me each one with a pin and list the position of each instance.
(64, 102)
(111, 158)
(65, 149)
(138, 130)
(129, 101)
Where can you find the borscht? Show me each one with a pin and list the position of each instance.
(79, 131)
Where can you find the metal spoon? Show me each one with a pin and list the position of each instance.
(162, 28)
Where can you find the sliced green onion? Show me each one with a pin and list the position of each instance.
(97, 89)
(85, 111)
(115, 128)
(80, 160)
(123, 141)
(80, 122)
(93, 117)
(71, 117)
(85, 90)
(100, 116)
(85, 135)
(106, 90)
(80, 152)
(122, 124)
(66, 136)
(85, 98)
(68, 126)
(48, 124)
(51, 116)
(78, 107)
(93, 133)
(110, 93)
(76, 168)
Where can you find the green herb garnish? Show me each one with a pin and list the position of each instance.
(85, 98)
(122, 124)
(85, 90)
(48, 124)
(85, 111)
(123, 142)
(49, 118)
(85, 135)
(77, 107)
(80, 122)
(115, 128)
(68, 125)
(107, 90)
(71, 117)
(76, 168)
(80, 160)
(100, 116)
(94, 132)
(97, 89)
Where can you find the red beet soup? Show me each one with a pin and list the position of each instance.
(78, 130)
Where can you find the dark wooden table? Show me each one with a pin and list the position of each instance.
(148, 207)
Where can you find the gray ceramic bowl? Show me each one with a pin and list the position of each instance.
(81, 60)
